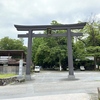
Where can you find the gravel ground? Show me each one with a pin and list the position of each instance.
(47, 83)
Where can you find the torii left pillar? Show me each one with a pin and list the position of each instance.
(29, 56)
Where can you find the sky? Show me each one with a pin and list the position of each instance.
(43, 12)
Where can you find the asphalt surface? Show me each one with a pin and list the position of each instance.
(53, 83)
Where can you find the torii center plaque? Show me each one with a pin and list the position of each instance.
(68, 35)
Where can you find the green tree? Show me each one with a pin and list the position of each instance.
(79, 50)
(92, 39)
(50, 51)
(7, 43)
(36, 42)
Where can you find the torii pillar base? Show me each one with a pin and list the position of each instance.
(71, 77)
(28, 77)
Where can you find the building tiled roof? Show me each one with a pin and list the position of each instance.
(20, 53)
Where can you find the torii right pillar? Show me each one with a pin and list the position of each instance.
(70, 55)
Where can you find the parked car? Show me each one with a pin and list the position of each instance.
(82, 68)
(37, 69)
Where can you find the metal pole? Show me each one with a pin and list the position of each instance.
(70, 57)
(29, 55)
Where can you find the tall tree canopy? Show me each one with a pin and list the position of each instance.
(50, 51)
(53, 51)
(91, 39)
(7, 43)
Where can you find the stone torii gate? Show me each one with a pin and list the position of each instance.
(68, 34)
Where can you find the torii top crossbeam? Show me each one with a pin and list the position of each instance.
(53, 27)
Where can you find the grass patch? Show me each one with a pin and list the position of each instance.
(7, 75)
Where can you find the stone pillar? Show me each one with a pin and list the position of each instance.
(70, 55)
(21, 68)
(29, 55)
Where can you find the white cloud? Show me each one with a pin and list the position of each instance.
(33, 12)
(98, 16)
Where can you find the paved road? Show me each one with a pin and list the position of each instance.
(52, 83)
